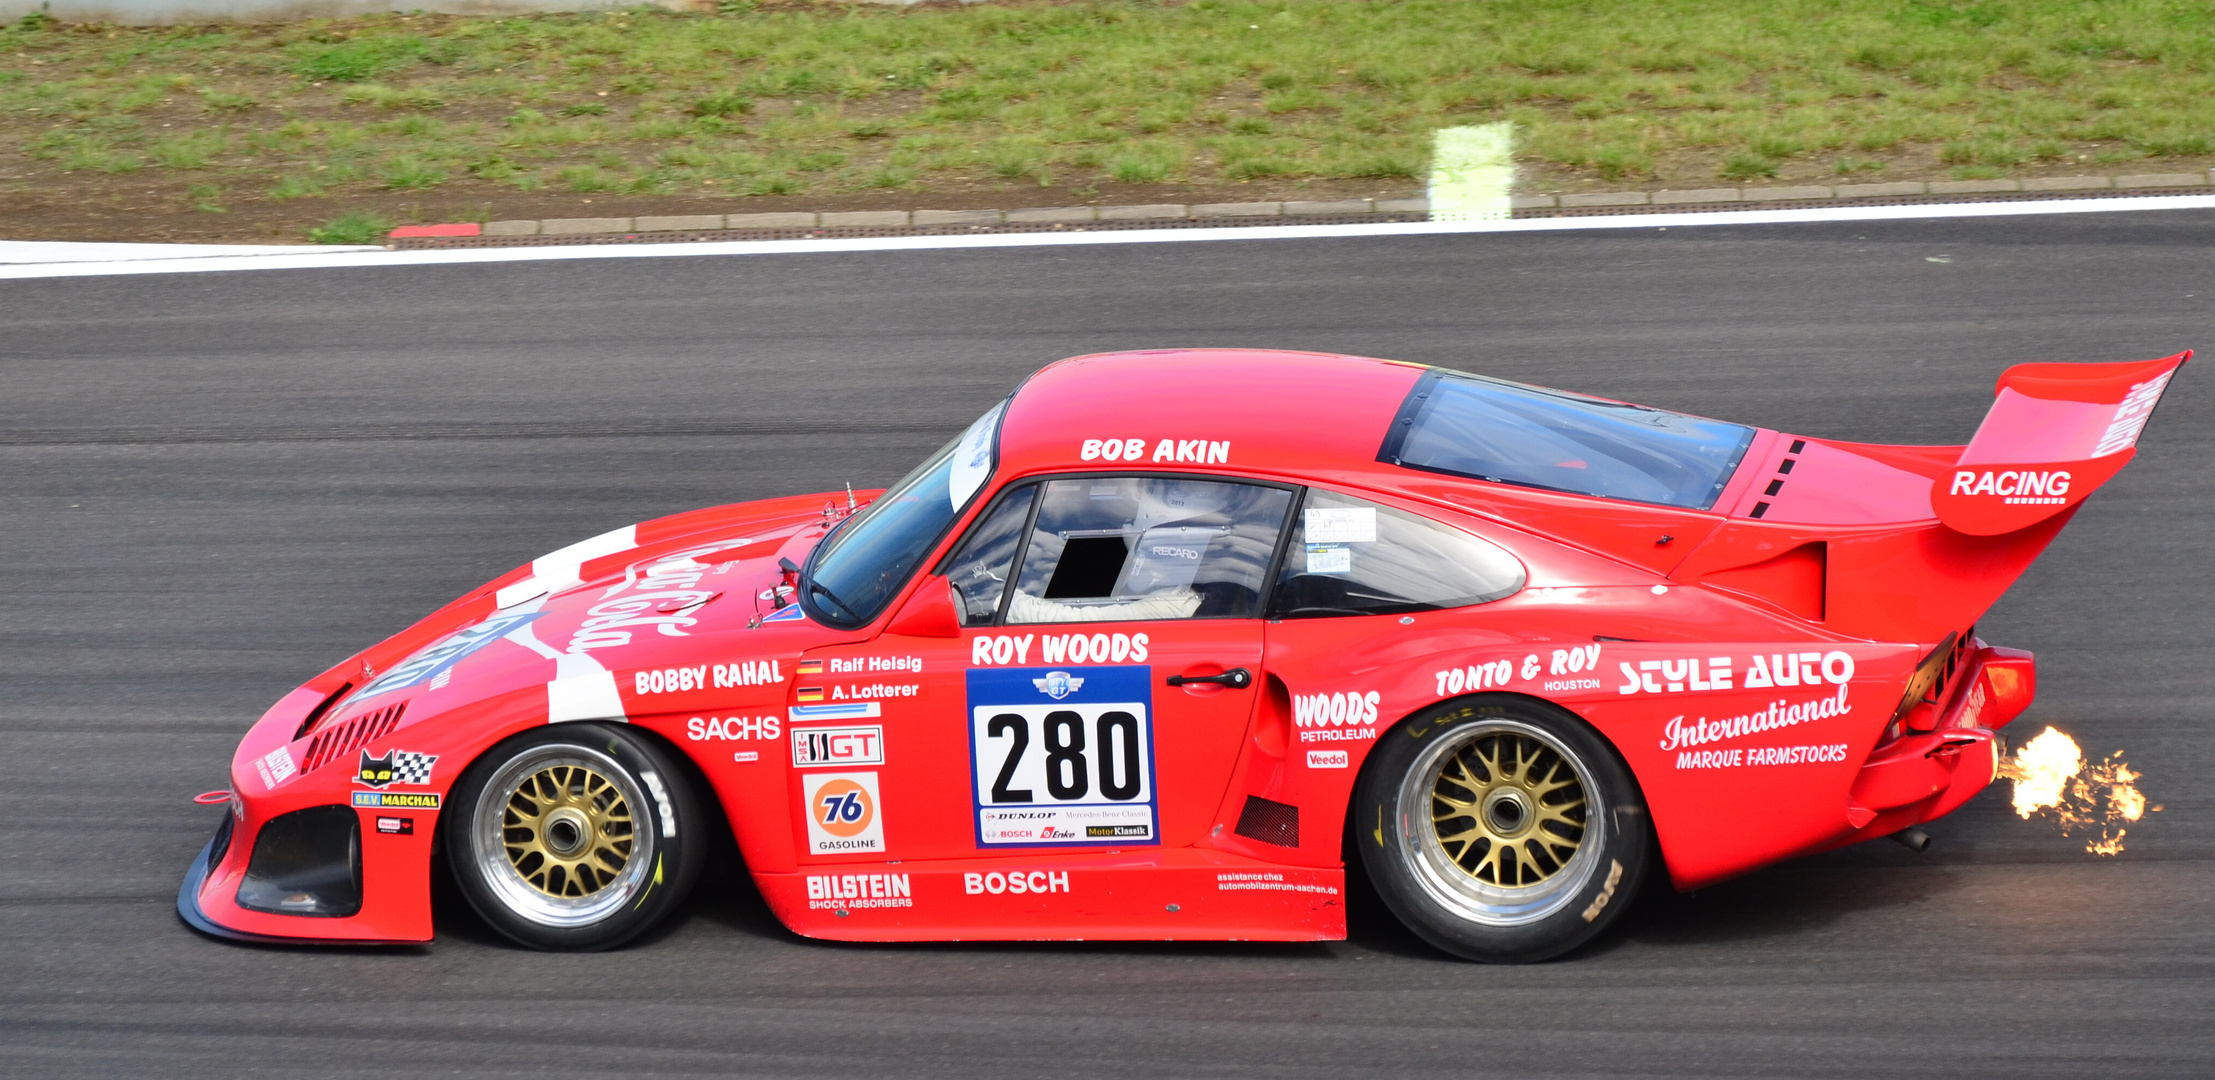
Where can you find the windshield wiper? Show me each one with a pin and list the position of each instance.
(817, 588)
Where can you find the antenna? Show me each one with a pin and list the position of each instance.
(850, 495)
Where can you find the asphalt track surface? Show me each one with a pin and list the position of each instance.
(214, 485)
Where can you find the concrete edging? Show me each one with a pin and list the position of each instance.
(1080, 215)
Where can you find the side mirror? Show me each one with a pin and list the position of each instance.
(931, 612)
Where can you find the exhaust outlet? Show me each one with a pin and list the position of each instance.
(1915, 840)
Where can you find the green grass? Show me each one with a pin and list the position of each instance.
(352, 227)
(797, 97)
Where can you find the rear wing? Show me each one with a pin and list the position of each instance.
(2056, 432)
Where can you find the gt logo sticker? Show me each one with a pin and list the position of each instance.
(842, 813)
(838, 746)
(1062, 756)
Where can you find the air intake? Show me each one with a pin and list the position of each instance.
(341, 740)
(307, 862)
(1269, 822)
(315, 716)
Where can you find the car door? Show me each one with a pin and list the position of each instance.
(1104, 674)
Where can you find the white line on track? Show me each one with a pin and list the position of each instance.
(331, 260)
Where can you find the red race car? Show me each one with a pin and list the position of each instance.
(1126, 663)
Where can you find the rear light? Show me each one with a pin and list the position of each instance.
(2007, 680)
(307, 862)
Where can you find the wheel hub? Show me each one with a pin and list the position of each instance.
(1507, 812)
(567, 830)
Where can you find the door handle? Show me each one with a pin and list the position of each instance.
(1237, 678)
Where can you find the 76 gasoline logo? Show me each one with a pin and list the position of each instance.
(842, 814)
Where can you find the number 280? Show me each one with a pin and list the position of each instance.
(1113, 755)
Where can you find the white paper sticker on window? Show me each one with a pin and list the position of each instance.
(1330, 560)
(1342, 525)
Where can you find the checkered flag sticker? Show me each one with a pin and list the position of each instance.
(411, 768)
(397, 767)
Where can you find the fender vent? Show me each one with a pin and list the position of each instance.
(1269, 822)
(1784, 469)
(343, 739)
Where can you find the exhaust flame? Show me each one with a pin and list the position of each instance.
(2051, 775)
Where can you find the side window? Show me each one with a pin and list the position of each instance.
(1122, 549)
(1353, 557)
(980, 572)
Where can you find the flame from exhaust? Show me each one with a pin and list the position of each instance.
(2051, 776)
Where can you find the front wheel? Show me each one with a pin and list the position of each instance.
(573, 837)
(1501, 830)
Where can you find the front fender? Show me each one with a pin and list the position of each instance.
(277, 772)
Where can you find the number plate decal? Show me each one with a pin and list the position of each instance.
(1063, 757)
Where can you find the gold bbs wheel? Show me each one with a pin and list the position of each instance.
(1497, 822)
(1508, 810)
(567, 830)
(563, 835)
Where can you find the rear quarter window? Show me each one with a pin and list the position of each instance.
(1509, 433)
(1349, 556)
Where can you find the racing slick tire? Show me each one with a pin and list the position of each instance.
(574, 837)
(1501, 830)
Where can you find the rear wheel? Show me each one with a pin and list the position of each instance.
(1502, 830)
(573, 837)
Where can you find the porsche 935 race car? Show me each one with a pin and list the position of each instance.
(1123, 663)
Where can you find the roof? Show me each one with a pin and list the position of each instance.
(1255, 410)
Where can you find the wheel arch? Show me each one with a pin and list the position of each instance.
(1356, 829)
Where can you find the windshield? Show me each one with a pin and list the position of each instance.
(1516, 434)
(855, 572)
